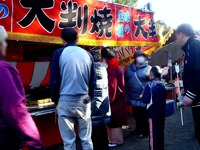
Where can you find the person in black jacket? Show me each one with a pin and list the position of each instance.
(155, 97)
(185, 36)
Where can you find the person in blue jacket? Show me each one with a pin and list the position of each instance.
(136, 78)
(155, 97)
(72, 82)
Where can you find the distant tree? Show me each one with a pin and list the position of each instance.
(131, 3)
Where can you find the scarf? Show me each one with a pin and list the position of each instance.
(112, 63)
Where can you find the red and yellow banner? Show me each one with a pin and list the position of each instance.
(98, 23)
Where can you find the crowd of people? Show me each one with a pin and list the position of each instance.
(91, 90)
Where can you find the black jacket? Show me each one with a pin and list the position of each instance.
(191, 74)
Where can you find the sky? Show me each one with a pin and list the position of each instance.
(175, 12)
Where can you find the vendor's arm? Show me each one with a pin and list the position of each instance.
(55, 79)
(146, 97)
(14, 110)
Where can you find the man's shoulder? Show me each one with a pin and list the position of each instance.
(158, 83)
(195, 42)
(74, 49)
(59, 51)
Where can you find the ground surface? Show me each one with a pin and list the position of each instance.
(176, 136)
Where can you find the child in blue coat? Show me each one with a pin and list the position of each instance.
(155, 97)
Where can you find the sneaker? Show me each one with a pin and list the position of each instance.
(110, 145)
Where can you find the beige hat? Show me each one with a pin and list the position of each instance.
(3, 33)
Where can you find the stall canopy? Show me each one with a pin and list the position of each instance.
(171, 51)
(98, 23)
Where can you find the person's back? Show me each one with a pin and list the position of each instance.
(73, 80)
(158, 106)
(75, 66)
(155, 98)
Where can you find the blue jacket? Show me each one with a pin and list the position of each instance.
(191, 74)
(155, 96)
(133, 88)
(101, 110)
(55, 78)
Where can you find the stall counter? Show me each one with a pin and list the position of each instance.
(48, 126)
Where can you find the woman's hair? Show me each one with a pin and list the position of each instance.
(107, 53)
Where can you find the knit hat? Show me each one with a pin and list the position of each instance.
(3, 33)
(139, 53)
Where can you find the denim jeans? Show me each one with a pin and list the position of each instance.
(71, 112)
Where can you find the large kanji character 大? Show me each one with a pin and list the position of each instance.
(139, 27)
(37, 11)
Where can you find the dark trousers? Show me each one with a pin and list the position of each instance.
(141, 117)
(100, 138)
(196, 117)
(156, 134)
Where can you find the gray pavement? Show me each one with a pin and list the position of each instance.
(176, 136)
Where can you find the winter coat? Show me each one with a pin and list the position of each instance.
(191, 74)
(116, 94)
(55, 77)
(16, 124)
(155, 96)
(134, 89)
(100, 103)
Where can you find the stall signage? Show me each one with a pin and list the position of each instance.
(98, 23)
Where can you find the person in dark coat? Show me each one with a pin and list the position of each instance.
(155, 96)
(17, 128)
(136, 78)
(185, 36)
(101, 111)
(117, 98)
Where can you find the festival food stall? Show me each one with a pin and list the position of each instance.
(34, 29)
